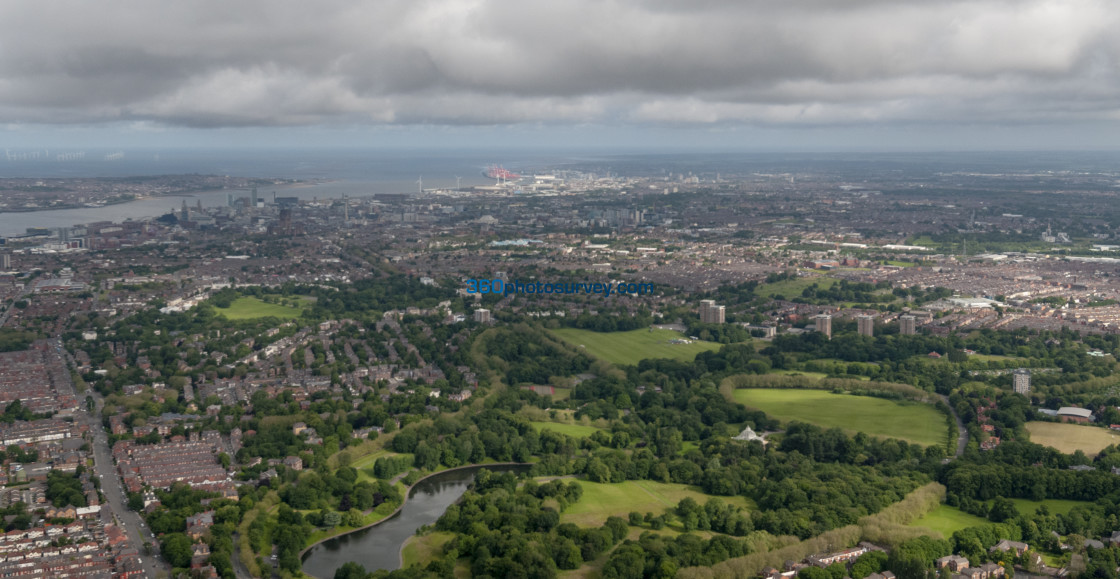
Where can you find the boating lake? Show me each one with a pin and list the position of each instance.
(378, 547)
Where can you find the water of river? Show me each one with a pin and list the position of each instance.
(17, 223)
(379, 547)
(354, 173)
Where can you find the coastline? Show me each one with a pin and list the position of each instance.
(78, 206)
(404, 501)
(182, 194)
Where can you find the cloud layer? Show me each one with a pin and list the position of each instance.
(483, 62)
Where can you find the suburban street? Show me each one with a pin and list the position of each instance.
(8, 312)
(239, 569)
(130, 521)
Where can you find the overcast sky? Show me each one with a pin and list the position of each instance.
(817, 74)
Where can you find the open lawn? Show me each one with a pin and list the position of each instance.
(816, 375)
(368, 460)
(364, 465)
(1068, 438)
(380, 512)
(633, 346)
(911, 421)
(423, 549)
(559, 394)
(992, 358)
(573, 430)
(248, 307)
(358, 451)
(925, 358)
(600, 501)
(948, 520)
(809, 375)
(792, 288)
(1055, 506)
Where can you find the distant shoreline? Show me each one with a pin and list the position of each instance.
(182, 194)
(75, 206)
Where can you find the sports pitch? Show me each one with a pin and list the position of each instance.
(633, 346)
(1068, 438)
(911, 421)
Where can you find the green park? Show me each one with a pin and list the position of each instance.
(249, 307)
(602, 500)
(629, 348)
(910, 421)
(1070, 438)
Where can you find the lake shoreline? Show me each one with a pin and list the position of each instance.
(407, 492)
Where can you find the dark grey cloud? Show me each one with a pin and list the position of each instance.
(456, 62)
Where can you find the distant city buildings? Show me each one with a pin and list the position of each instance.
(482, 316)
(824, 325)
(866, 325)
(710, 313)
(907, 325)
(1021, 381)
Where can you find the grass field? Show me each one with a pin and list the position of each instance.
(573, 430)
(1068, 438)
(248, 307)
(1055, 506)
(992, 358)
(368, 460)
(948, 520)
(792, 288)
(600, 501)
(380, 512)
(424, 549)
(364, 465)
(816, 375)
(633, 346)
(809, 375)
(925, 359)
(914, 422)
